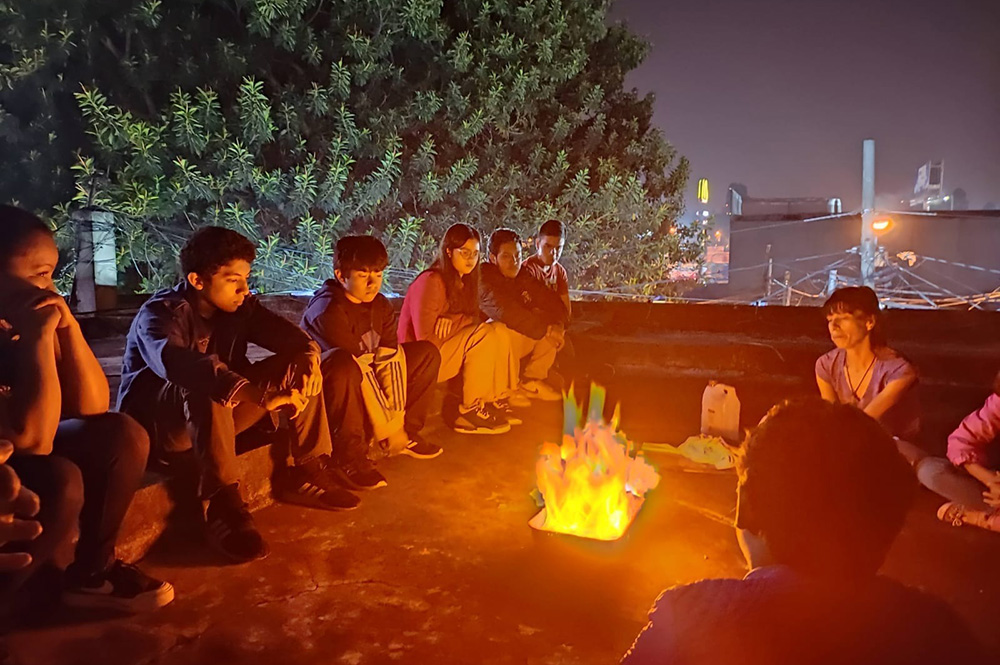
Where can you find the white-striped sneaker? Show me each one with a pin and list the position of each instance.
(121, 587)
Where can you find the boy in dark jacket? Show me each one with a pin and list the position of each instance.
(186, 370)
(534, 315)
(374, 387)
(544, 264)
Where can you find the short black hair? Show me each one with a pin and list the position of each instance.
(16, 227)
(858, 300)
(212, 247)
(360, 253)
(825, 486)
(501, 237)
(553, 228)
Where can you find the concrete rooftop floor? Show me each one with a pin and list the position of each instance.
(441, 567)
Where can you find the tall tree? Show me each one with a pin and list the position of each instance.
(297, 120)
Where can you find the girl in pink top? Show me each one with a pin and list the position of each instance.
(968, 477)
(442, 306)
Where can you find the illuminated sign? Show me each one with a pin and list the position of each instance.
(703, 190)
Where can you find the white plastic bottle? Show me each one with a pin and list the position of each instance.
(720, 412)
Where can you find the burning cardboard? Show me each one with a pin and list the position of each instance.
(593, 484)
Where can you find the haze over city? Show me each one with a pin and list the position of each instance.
(778, 94)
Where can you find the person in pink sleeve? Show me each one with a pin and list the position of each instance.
(442, 306)
(968, 478)
(863, 371)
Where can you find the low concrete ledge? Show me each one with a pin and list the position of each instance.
(766, 352)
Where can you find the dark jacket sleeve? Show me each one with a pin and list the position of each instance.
(501, 301)
(544, 301)
(276, 333)
(330, 326)
(164, 348)
(390, 324)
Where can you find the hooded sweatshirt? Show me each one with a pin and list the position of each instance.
(337, 323)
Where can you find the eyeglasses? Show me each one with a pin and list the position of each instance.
(468, 254)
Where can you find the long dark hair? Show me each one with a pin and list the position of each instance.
(463, 291)
(858, 300)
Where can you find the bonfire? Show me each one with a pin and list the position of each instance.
(593, 483)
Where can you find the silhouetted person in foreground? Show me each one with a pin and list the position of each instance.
(822, 495)
(84, 462)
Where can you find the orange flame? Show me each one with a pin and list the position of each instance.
(591, 485)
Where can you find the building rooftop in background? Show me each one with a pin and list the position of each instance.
(739, 204)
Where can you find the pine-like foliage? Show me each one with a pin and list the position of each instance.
(295, 121)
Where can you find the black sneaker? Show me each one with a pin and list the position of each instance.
(419, 448)
(314, 485)
(122, 587)
(481, 420)
(360, 476)
(503, 408)
(230, 527)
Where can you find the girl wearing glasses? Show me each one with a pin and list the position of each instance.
(442, 306)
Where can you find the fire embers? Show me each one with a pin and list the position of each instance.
(592, 484)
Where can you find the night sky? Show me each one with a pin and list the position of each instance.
(778, 94)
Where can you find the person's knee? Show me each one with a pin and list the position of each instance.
(485, 338)
(501, 332)
(124, 438)
(60, 492)
(423, 354)
(339, 367)
(199, 407)
(930, 469)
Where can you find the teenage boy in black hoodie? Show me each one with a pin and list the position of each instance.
(534, 315)
(187, 379)
(365, 368)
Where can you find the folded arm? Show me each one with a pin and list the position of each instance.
(165, 349)
(890, 396)
(31, 413)
(84, 385)
(968, 443)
